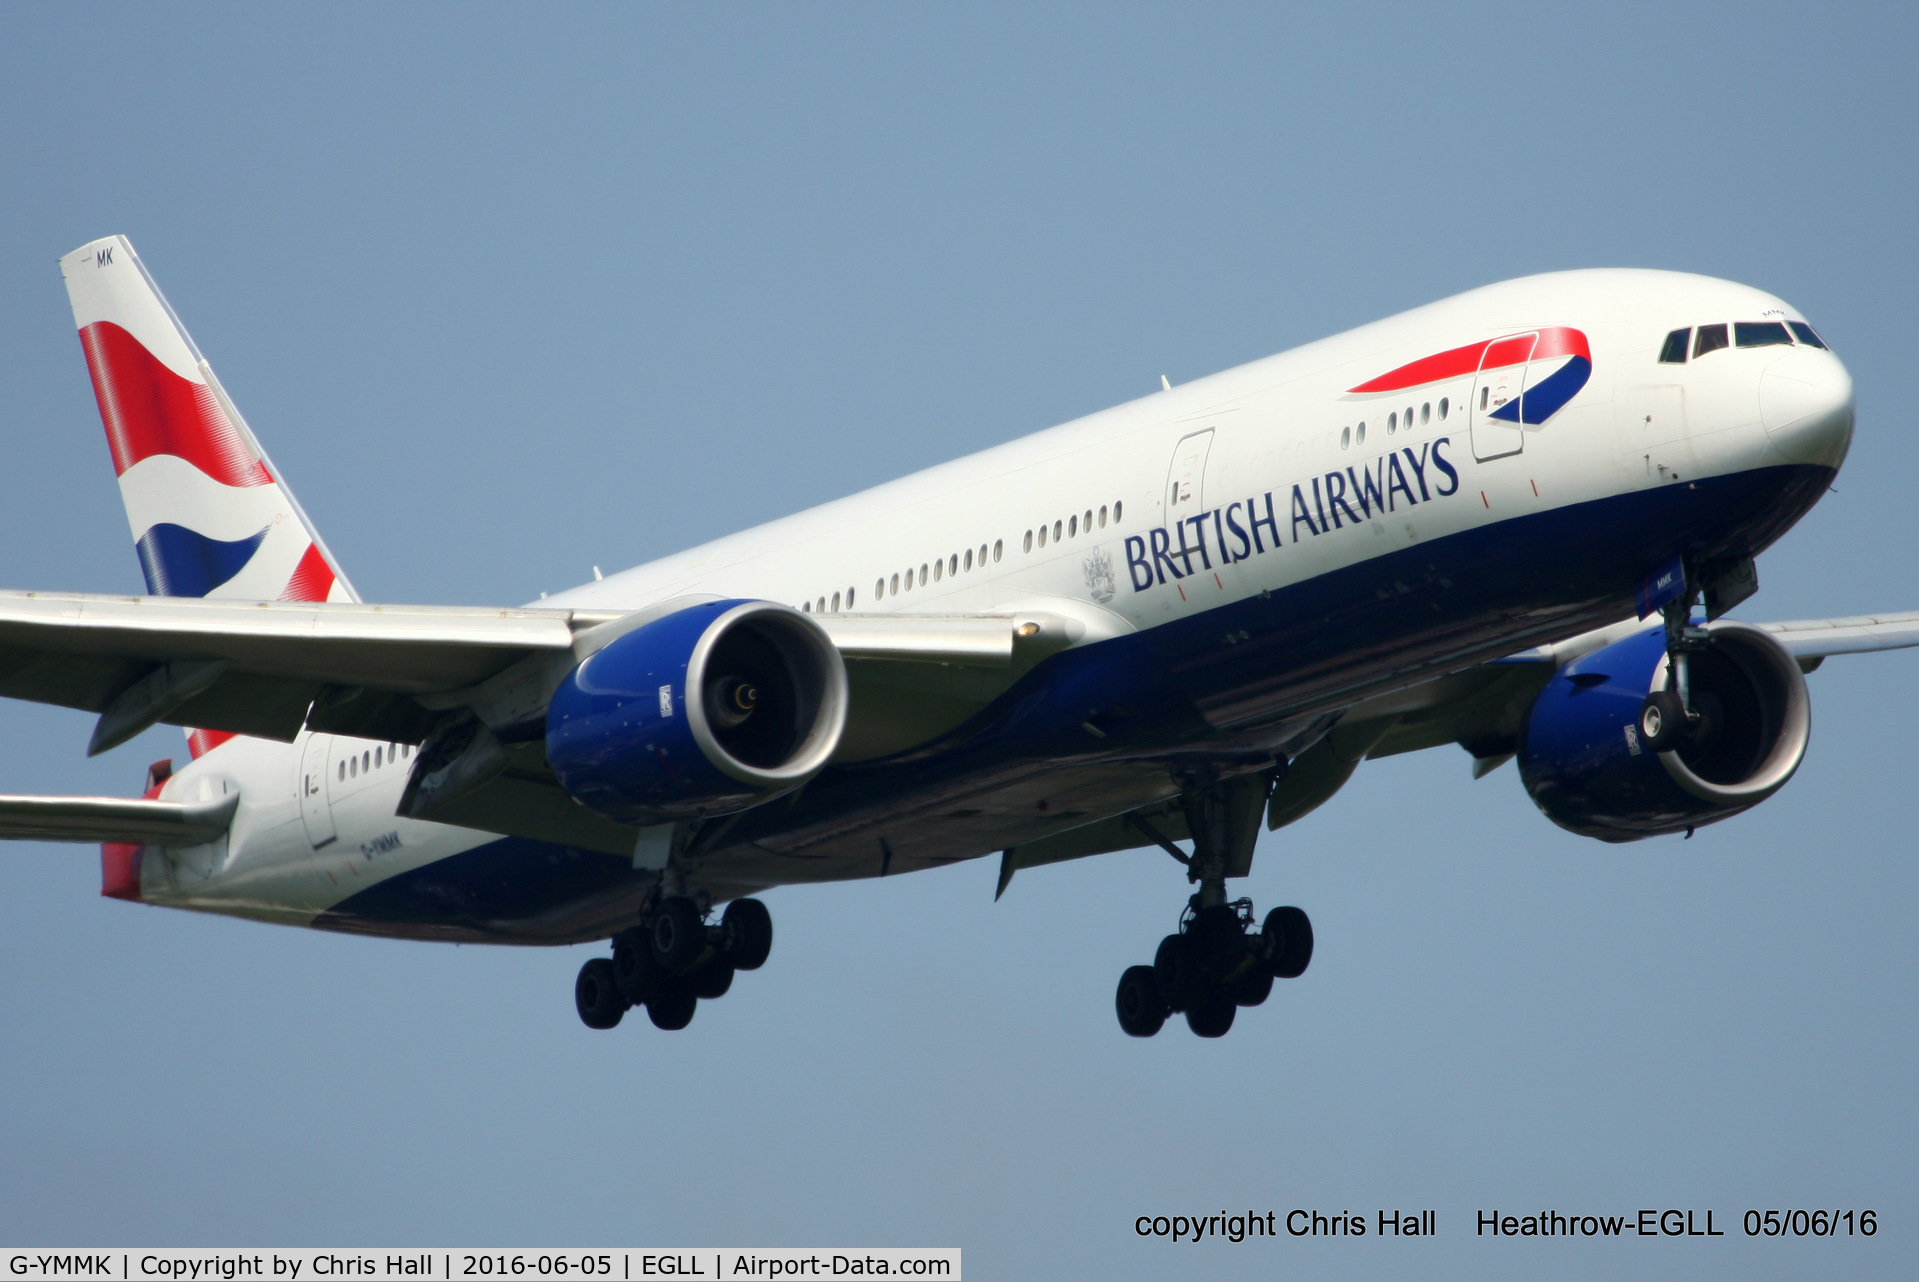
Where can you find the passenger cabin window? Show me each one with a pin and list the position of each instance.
(1803, 332)
(1760, 334)
(1444, 405)
(1674, 352)
(1029, 542)
(1709, 339)
(998, 545)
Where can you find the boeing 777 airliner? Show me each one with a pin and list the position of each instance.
(1513, 520)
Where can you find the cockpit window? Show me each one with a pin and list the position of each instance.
(1803, 332)
(1760, 334)
(1674, 352)
(1711, 339)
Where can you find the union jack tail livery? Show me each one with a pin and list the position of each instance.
(210, 516)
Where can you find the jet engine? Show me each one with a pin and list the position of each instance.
(709, 709)
(1583, 761)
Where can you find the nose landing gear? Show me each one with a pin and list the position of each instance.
(1219, 960)
(672, 960)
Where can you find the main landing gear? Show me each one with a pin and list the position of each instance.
(672, 960)
(1218, 962)
(1220, 959)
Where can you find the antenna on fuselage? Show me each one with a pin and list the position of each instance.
(1163, 383)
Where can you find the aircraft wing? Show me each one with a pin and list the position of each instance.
(268, 668)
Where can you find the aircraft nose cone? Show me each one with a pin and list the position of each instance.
(1805, 401)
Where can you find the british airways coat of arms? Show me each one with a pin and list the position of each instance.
(1098, 568)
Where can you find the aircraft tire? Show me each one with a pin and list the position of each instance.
(748, 930)
(711, 980)
(1180, 984)
(633, 966)
(672, 1006)
(1252, 987)
(676, 935)
(1662, 721)
(1142, 1011)
(1288, 941)
(1216, 942)
(1212, 1016)
(597, 996)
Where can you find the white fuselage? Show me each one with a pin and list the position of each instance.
(1043, 523)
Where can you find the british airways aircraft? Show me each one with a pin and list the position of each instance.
(1513, 520)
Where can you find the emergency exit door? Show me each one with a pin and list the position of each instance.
(1186, 478)
(316, 809)
(1498, 400)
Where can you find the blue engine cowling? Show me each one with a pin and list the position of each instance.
(709, 709)
(1582, 762)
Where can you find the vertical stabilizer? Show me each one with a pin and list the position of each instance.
(209, 513)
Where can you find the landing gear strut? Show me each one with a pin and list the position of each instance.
(1674, 717)
(1220, 959)
(672, 960)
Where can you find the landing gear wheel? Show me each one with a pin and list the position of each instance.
(1142, 1011)
(672, 1006)
(1662, 721)
(633, 967)
(1216, 941)
(748, 930)
(1213, 1016)
(1289, 942)
(677, 935)
(1180, 983)
(711, 980)
(1253, 987)
(597, 996)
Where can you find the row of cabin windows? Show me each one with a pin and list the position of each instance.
(373, 759)
(1071, 526)
(1349, 436)
(1711, 338)
(934, 571)
(965, 562)
(821, 606)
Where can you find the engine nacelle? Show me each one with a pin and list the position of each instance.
(1581, 759)
(709, 709)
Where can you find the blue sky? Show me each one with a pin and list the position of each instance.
(511, 292)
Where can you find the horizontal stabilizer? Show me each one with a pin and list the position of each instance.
(122, 819)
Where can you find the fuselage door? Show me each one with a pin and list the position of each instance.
(1497, 391)
(1186, 479)
(315, 809)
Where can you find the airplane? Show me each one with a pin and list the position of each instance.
(1514, 520)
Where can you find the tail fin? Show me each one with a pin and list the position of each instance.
(210, 516)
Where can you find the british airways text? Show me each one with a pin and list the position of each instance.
(1241, 529)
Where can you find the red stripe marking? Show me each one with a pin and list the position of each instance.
(120, 861)
(148, 409)
(1482, 499)
(312, 577)
(201, 742)
(1555, 340)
